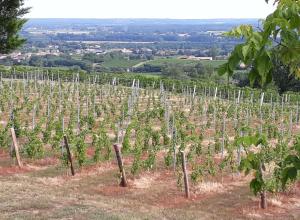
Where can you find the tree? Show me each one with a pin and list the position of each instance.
(277, 36)
(11, 22)
(213, 52)
(173, 70)
(283, 79)
(200, 69)
(36, 61)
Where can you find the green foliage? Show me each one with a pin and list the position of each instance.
(278, 37)
(197, 173)
(4, 137)
(63, 61)
(286, 164)
(81, 148)
(291, 165)
(34, 146)
(14, 122)
(126, 141)
(283, 79)
(168, 159)
(11, 22)
(274, 167)
(182, 68)
(137, 152)
(58, 137)
(102, 143)
(254, 162)
(90, 120)
(207, 168)
(47, 132)
(64, 157)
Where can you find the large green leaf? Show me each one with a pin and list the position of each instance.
(245, 50)
(279, 37)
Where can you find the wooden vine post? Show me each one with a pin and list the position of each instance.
(185, 175)
(263, 200)
(120, 164)
(69, 155)
(263, 194)
(16, 147)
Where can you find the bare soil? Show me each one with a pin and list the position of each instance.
(45, 190)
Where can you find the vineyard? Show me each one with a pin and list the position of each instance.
(194, 139)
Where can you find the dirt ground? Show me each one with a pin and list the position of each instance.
(45, 190)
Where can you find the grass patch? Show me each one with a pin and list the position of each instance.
(185, 62)
(119, 62)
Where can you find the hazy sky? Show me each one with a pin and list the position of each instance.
(190, 9)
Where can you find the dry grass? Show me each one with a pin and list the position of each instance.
(94, 194)
(145, 181)
(275, 202)
(209, 187)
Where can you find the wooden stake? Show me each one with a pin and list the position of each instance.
(69, 155)
(120, 164)
(263, 200)
(185, 173)
(16, 147)
(263, 197)
(223, 137)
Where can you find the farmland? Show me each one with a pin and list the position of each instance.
(185, 62)
(120, 62)
(221, 132)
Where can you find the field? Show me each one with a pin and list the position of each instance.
(184, 62)
(45, 192)
(216, 129)
(120, 62)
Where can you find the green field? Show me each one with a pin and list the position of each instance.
(184, 62)
(120, 63)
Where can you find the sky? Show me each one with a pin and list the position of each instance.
(177, 9)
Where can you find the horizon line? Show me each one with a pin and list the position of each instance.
(154, 18)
